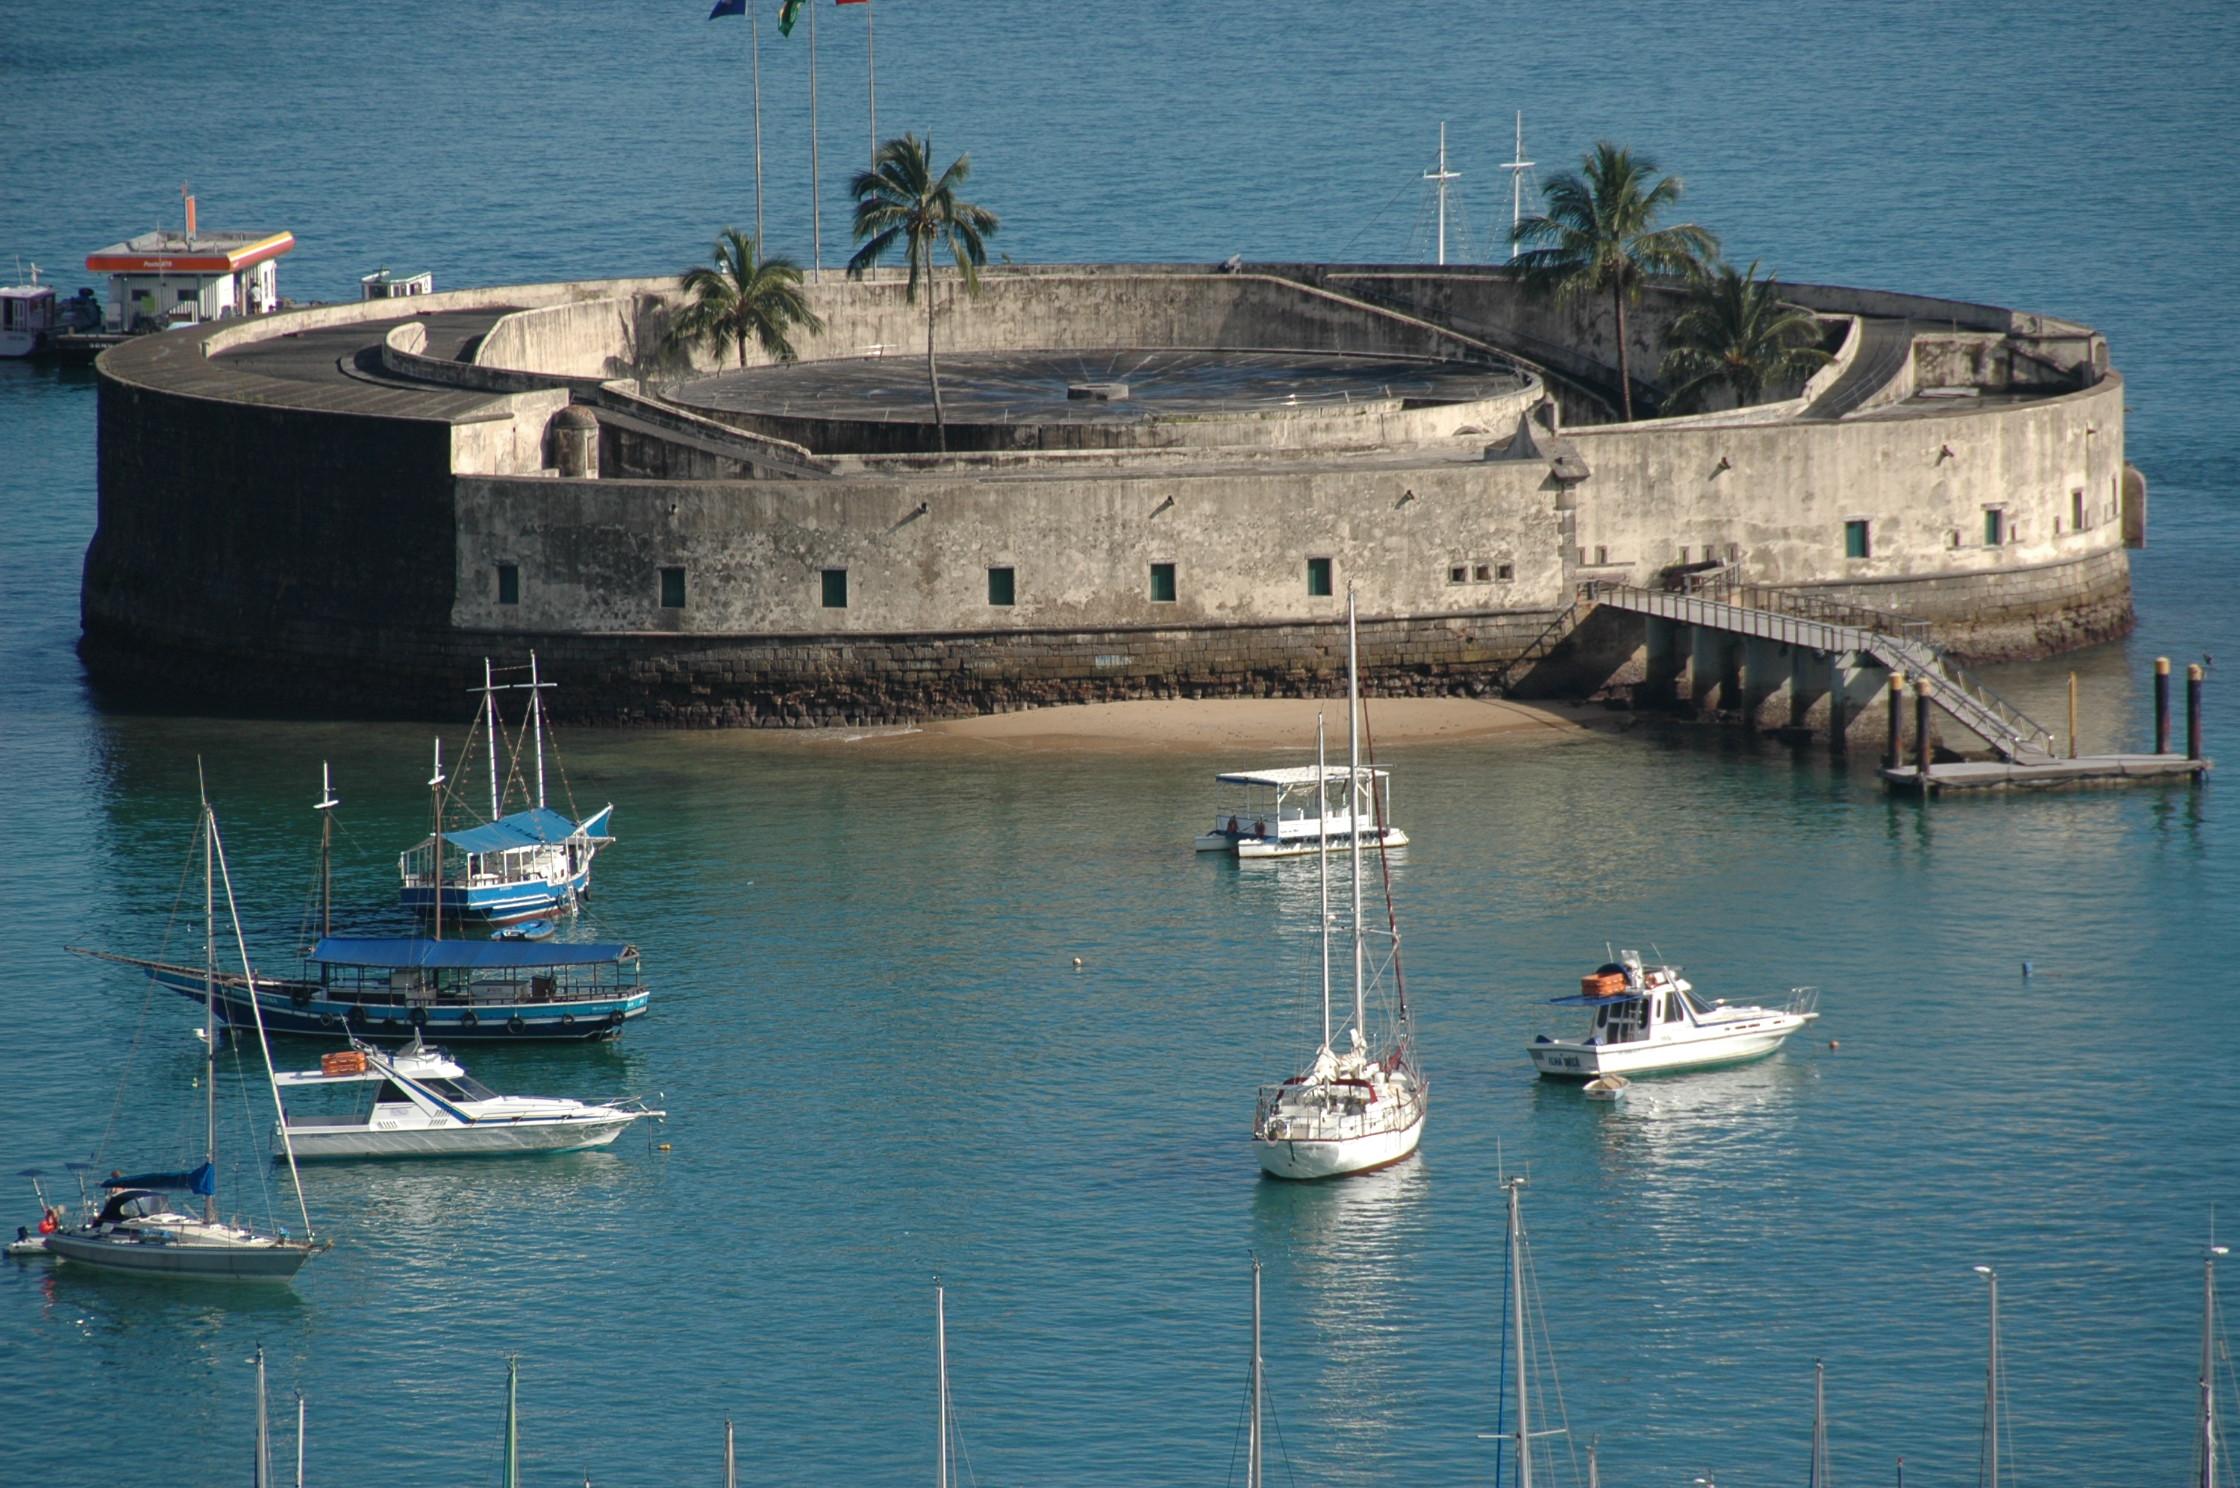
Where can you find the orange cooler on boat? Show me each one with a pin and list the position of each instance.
(346, 1062)
(1602, 984)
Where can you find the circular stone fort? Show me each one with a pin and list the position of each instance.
(1149, 480)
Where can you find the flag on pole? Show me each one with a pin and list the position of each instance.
(788, 10)
(728, 7)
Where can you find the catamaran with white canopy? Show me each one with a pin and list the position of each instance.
(1287, 811)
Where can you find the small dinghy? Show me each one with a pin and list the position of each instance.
(1607, 1087)
(526, 930)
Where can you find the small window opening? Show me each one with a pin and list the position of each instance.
(1482, 572)
(1504, 571)
(1318, 578)
(1855, 541)
(1458, 573)
(672, 588)
(509, 583)
(1003, 586)
(835, 588)
(2076, 509)
(1162, 583)
(1601, 556)
(1994, 527)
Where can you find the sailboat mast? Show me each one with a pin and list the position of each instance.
(264, 1435)
(1990, 1386)
(1252, 1455)
(435, 844)
(1517, 1312)
(299, 1439)
(490, 729)
(941, 1354)
(1353, 811)
(325, 808)
(536, 694)
(730, 1458)
(210, 1001)
(1819, 1477)
(512, 1476)
(1322, 864)
(2209, 1366)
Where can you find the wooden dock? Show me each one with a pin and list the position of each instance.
(2088, 770)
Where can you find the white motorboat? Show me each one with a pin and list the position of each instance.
(424, 1105)
(1649, 1018)
(1354, 1108)
(139, 1228)
(1287, 812)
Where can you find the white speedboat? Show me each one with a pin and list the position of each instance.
(1354, 1108)
(424, 1105)
(1287, 812)
(1649, 1018)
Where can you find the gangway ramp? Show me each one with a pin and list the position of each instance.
(1891, 642)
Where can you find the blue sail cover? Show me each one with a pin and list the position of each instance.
(522, 829)
(202, 1180)
(403, 952)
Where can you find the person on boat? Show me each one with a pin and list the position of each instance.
(50, 1221)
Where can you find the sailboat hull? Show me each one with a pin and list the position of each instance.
(184, 1258)
(1309, 1158)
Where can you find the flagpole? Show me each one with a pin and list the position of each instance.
(816, 174)
(754, 35)
(871, 59)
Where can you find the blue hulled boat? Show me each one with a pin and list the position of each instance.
(515, 865)
(400, 987)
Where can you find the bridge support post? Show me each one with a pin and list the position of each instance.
(1894, 755)
(1921, 746)
(1669, 649)
(1765, 681)
(1714, 661)
(2162, 705)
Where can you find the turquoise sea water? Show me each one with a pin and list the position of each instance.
(881, 1060)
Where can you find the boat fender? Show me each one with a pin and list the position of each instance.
(330, 1020)
(470, 1018)
(614, 1019)
(567, 1020)
(1277, 1129)
(419, 1017)
(1260, 827)
(300, 996)
(516, 1023)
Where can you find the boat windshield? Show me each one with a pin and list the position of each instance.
(133, 1203)
(461, 1089)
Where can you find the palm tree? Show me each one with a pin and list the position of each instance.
(898, 200)
(1737, 330)
(1598, 235)
(741, 297)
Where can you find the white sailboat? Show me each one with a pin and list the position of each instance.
(1362, 1106)
(140, 1228)
(2208, 1433)
(1523, 1311)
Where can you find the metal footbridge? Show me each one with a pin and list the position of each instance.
(1894, 643)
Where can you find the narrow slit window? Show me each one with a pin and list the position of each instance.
(1855, 540)
(1994, 527)
(835, 588)
(2076, 509)
(1318, 578)
(672, 588)
(1162, 583)
(1003, 586)
(509, 583)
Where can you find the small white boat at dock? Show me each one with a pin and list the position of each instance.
(1288, 812)
(426, 1106)
(1649, 1018)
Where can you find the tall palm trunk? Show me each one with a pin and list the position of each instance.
(1625, 373)
(933, 371)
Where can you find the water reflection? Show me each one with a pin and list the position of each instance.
(1347, 1246)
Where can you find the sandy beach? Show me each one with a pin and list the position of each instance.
(1235, 724)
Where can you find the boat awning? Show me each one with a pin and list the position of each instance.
(522, 829)
(202, 1180)
(1293, 775)
(397, 953)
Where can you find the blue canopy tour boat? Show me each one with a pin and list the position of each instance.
(397, 988)
(515, 865)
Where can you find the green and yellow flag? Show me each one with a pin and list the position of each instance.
(788, 12)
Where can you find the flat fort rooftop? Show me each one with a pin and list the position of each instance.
(1120, 386)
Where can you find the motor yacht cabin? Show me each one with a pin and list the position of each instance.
(1647, 1018)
